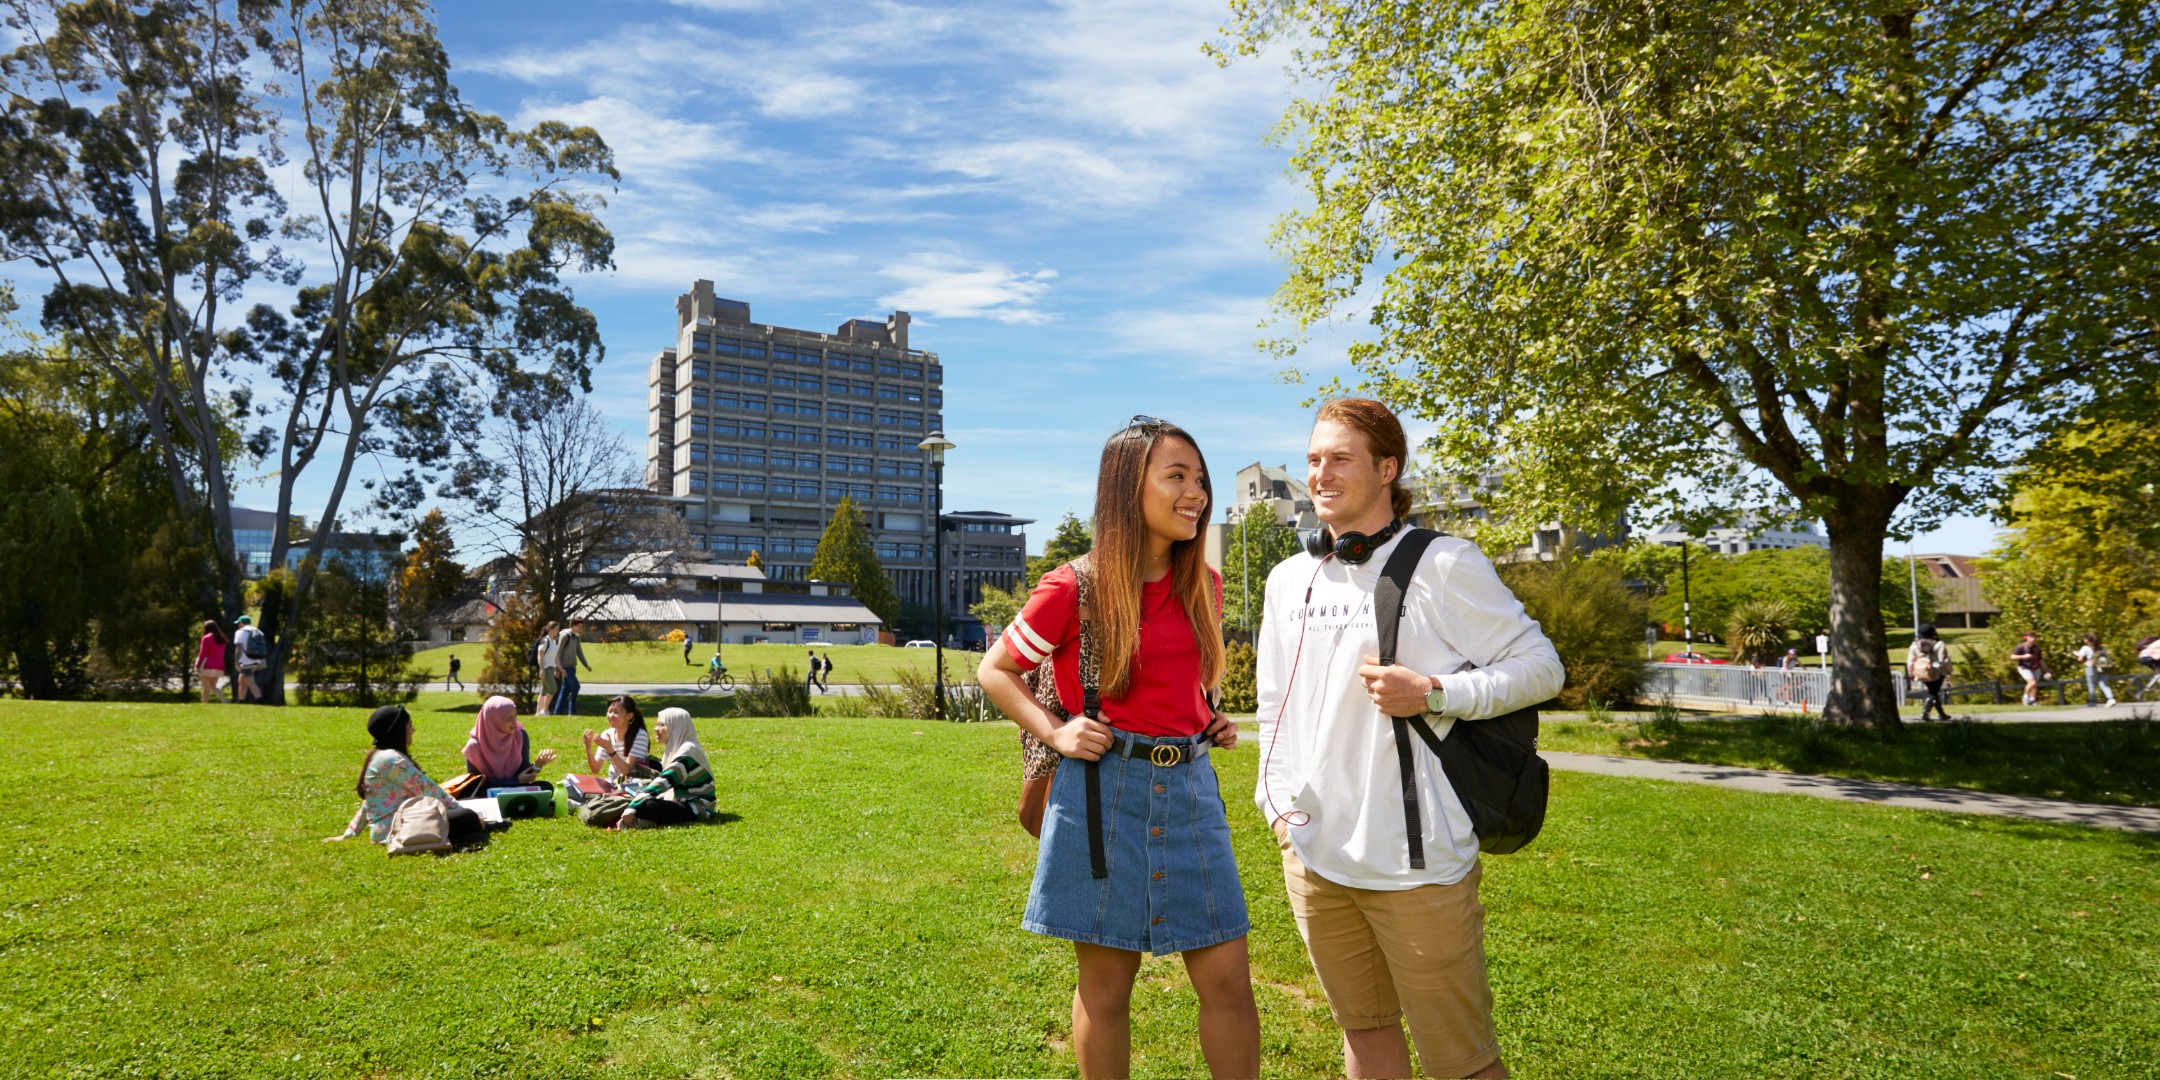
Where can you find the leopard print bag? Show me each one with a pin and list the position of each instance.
(1038, 761)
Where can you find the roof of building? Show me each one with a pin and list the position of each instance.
(666, 564)
(1951, 566)
(461, 611)
(991, 516)
(782, 608)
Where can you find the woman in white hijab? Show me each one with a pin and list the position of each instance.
(683, 792)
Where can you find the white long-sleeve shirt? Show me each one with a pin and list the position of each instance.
(1331, 754)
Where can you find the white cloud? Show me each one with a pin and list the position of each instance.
(948, 286)
(1211, 336)
(813, 93)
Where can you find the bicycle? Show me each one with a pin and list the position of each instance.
(711, 679)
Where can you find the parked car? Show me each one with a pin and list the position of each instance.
(920, 643)
(1693, 658)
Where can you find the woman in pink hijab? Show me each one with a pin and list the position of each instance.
(499, 747)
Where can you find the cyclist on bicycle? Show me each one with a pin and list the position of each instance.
(715, 667)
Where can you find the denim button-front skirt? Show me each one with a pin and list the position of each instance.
(1173, 883)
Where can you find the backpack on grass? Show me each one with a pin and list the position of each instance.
(1493, 765)
(421, 823)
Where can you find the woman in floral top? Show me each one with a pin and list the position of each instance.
(683, 792)
(390, 777)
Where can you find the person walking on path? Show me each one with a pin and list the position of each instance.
(686, 643)
(2028, 660)
(1928, 663)
(1393, 944)
(2149, 655)
(452, 677)
(814, 668)
(544, 655)
(210, 660)
(2097, 665)
(250, 651)
(569, 653)
(1135, 854)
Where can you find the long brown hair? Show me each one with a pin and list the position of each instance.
(1383, 436)
(1121, 553)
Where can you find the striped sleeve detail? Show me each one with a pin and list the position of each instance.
(1023, 640)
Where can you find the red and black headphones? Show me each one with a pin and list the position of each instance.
(1352, 548)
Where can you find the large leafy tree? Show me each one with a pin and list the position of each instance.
(1833, 262)
(1072, 539)
(89, 586)
(146, 155)
(846, 554)
(2082, 553)
(431, 575)
(1254, 544)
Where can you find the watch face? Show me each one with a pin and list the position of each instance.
(1435, 700)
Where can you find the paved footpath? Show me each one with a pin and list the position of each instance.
(1882, 793)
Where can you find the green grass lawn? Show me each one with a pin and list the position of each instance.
(654, 663)
(171, 911)
(2115, 762)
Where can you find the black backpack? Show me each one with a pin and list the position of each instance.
(1493, 765)
(258, 645)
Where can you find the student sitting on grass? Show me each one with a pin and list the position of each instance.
(389, 777)
(683, 792)
(623, 750)
(500, 749)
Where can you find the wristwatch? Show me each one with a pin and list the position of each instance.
(1435, 698)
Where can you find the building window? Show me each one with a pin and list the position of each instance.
(753, 349)
(701, 369)
(724, 347)
(912, 371)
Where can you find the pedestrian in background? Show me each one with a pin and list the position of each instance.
(1928, 663)
(452, 677)
(2027, 658)
(686, 650)
(2149, 655)
(569, 653)
(210, 661)
(2097, 664)
(544, 655)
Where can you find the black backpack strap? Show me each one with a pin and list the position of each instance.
(1388, 600)
(1091, 707)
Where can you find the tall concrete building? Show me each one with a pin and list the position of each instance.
(764, 428)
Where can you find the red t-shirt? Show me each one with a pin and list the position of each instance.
(1163, 695)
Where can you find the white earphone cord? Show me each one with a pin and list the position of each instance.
(1294, 817)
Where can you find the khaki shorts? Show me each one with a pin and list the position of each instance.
(1415, 956)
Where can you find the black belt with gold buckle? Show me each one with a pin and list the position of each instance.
(1160, 755)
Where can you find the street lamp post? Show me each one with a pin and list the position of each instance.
(1687, 604)
(936, 444)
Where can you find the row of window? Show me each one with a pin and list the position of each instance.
(755, 350)
(701, 482)
(900, 551)
(702, 371)
(855, 414)
(778, 545)
(699, 427)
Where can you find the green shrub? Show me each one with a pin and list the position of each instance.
(1592, 619)
(1758, 629)
(785, 694)
(1240, 681)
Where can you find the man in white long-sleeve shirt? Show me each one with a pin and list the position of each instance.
(1392, 945)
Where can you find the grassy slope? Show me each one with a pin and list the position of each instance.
(2115, 762)
(859, 916)
(649, 663)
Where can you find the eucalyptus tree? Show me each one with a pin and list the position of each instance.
(1834, 261)
(282, 216)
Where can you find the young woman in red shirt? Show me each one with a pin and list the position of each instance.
(1135, 853)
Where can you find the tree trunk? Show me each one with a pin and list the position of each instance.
(1861, 691)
